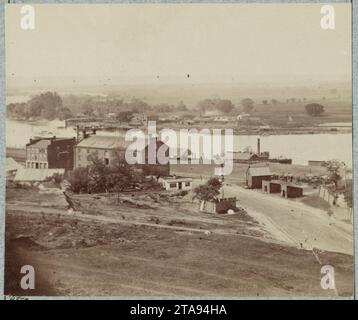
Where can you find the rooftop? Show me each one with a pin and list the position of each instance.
(104, 142)
(44, 142)
(259, 171)
(41, 144)
(177, 179)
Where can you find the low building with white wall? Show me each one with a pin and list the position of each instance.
(174, 183)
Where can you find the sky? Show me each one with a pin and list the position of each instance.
(158, 43)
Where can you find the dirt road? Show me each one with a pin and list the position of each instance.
(295, 222)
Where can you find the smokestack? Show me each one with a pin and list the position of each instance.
(258, 146)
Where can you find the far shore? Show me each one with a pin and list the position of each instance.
(331, 128)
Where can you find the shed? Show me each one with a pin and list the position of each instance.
(290, 190)
(255, 176)
(273, 186)
(176, 183)
(220, 206)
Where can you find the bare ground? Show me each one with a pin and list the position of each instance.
(166, 249)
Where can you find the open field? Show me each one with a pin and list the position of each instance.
(159, 246)
(148, 261)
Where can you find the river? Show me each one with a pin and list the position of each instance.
(299, 147)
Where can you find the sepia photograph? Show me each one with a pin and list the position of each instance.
(178, 150)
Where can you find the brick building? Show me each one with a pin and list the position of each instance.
(50, 153)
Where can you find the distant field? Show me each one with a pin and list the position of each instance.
(335, 111)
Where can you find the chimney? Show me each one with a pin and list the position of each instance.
(258, 146)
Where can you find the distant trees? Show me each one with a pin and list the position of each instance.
(138, 105)
(314, 109)
(224, 105)
(125, 116)
(264, 102)
(87, 108)
(247, 104)
(46, 105)
(164, 107)
(221, 105)
(181, 106)
(64, 113)
(18, 110)
(206, 105)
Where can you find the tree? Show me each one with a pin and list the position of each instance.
(208, 191)
(206, 105)
(224, 105)
(333, 167)
(64, 113)
(46, 105)
(137, 105)
(79, 179)
(164, 107)
(87, 108)
(264, 102)
(314, 109)
(125, 116)
(247, 104)
(181, 106)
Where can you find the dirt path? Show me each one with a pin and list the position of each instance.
(295, 222)
(14, 207)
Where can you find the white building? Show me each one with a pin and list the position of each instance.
(176, 183)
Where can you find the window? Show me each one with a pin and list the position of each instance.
(106, 161)
(172, 185)
(187, 184)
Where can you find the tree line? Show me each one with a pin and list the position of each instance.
(50, 106)
(46, 105)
